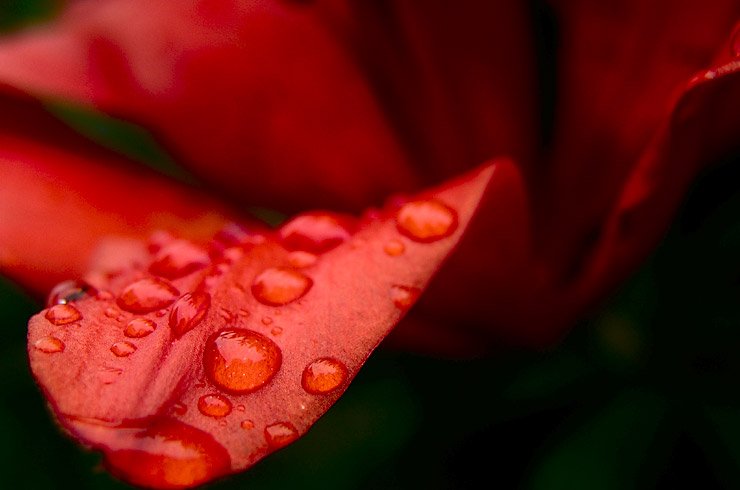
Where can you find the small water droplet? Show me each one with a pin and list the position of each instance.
(241, 361)
(244, 313)
(276, 331)
(214, 405)
(123, 349)
(426, 221)
(266, 320)
(62, 314)
(147, 295)
(113, 314)
(247, 424)
(279, 286)
(49, 345)
(139, 327)
(223, 423)
(394, 248)
(178, 259)
(323, 376)
(315, 232)
(280, 434)
(69, 292)
(188, 312)
(301, 260)
(404, 296)
(165, 453)
(109, 375)
(179, 409)
(240, 408)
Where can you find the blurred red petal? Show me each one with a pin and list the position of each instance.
(61, 198)
(259, 97)
(621, 65)
(176, 407)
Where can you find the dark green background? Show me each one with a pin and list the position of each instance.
(643, 395)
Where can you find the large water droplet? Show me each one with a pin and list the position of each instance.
(139, 327)
(214, 405)
(394, 248)
(179, 258)
(241, 361)
(279, 286)
(147, 295)
(63, 314)
(188, 312)
(168, 454)
(315, 232)
(426, 221)
(69, 292)
(247, 424)
(323, 376)
(49, 345)
(123, 348)
(404, 296)
(280, 434)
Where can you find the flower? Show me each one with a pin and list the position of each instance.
(330, 104)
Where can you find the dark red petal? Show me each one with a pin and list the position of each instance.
(457, 78)
(221, 382)
(259, 97)
(621, 65)
(62, 200)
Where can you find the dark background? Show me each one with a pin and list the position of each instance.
(644, 394)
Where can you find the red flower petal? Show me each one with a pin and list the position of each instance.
(259, 97)
(198, 397)
(61, 195)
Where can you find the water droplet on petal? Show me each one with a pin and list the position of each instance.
(324, 376)
(276, 331)
(315, 232)
(49, 345)
(123, 348)
(169, 454)
(69, 292)
(214, 405)
(404, 296)
(266, 320)
(147, 295)
(247, 424)
(109, 375)
(279, 286)
(113, 313)
(180, 409)
(179, 258)
(280, 434)
(240, 408)
(139, 327)
(188, 312)
(426, 221)
(394, 248)
(301, 260)
(241, 361)
(62, 314)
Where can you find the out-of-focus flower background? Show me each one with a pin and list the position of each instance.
(643, 394)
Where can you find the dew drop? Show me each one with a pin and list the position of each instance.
(179, 409)
(266, 320)
(113, 313)
(240, 408)
(214, 405)
(315, 232)
(280, 434)
(62, 314)
(279, 286)
(394, 248)
(139, 327)
(276, 331)
(323, 376)
(49, 345)
(168, 454)
(179, 258)
(247, 424)
(301, 260)
(69, 292)
(188, 312)
(123, 349)
(241, 361)
(404, 296)
(426, 221)
(147, 295)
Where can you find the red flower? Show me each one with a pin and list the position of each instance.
(334, 105)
